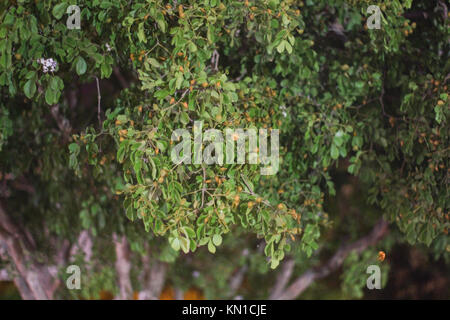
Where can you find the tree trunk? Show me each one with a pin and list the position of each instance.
(33, 279)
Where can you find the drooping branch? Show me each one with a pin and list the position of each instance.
(307, 278)
(123, 267)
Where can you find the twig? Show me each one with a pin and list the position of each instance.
(99, 98)
(177, 102)
(204, 186)
(241, 75)
(215, 60)
(250, 191)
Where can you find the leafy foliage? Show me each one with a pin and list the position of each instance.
(361, 105)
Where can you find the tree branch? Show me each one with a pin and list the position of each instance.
(123, 267)
(33, 279)
(306, 279)
(282, 279)
(99, 98)
(236, 280)
(215, 60)
(4, 275)
(63, 123)
(84, 244)
(120, 77)
(154, 279)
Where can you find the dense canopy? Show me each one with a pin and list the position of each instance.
(87, 122)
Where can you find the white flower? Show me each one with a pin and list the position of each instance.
(48, 64)
(108, 47)
(283, 112)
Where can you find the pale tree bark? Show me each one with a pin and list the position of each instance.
(123, 267)
(33, 279)
(307, 278)
(179, 294)
(153, 278)
(83, 245)
(236, 280)
(4, 275)
(283, 278)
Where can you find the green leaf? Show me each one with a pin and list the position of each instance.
(74, 148)
(161, 23)
(106, 70)
(288, 47)
(184, 245)
(217, 239)
(50, 96)
(154, 63)
(29, 88)
(175, 244)
(211, 247)
(59, 10)
(274, 263)
(80, 66)
(189, 232)
(184, 118)
(192, 47)
(338, 138)
(141, 33)
(281, 46)
(334, 152)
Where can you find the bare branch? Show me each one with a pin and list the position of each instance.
(154, 282)
(305, 280)
(99, 98)
(33, 279)
(120, 77)
(237, 279)
(215, 60)
(283, 278)
(63, 123)
(4, 275)
(84, 244)
(203, 187)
